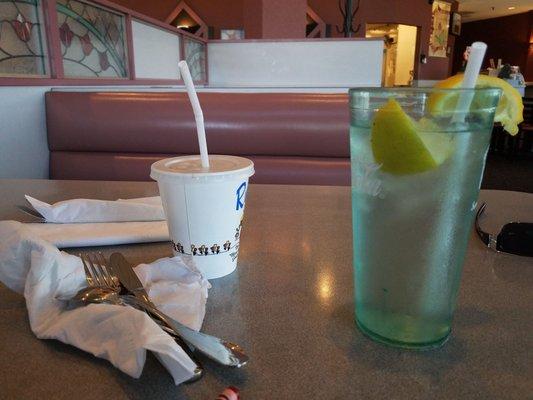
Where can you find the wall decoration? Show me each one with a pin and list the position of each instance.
(184, 17)
(22, 49)
(455, 24)
(92, 40)
(232, 34)
(438, 38)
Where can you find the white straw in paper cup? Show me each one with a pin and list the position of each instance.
(198, 114)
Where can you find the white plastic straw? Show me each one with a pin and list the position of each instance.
(473, 66)
(198, 114)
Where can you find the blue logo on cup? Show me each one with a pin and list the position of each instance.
(241, 192)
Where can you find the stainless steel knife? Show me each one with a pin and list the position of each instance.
(225, 353)
(127, 277)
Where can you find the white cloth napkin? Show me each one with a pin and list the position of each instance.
(122, 335)
(87, 222)
(90, 210)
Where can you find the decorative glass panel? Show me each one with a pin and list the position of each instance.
(195, 57)
(22, 50)
(92, 40)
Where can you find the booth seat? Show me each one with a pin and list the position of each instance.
(293, 138)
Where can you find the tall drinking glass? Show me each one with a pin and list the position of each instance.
(417, 164)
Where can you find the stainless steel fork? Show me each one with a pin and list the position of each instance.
(96, 271)
(98, 274)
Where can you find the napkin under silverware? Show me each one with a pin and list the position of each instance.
(38, 270)
(88, 222)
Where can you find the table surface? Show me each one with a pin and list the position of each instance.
(290, 305)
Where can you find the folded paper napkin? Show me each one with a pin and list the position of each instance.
(38, 270)
(101, 234)
(87, 222)
(90, 210)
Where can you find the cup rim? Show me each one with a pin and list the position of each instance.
(362, 89)
(421, 95)
(158, 170)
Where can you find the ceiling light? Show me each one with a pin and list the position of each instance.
(182, 26)
(511, 8)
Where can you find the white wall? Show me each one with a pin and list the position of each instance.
(156, 52)
(263, 63)
(424, 83)
(405, 54)
(23, 144)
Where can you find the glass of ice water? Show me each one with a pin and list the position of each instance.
(417, 164)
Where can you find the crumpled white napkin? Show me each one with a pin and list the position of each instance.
(122, 335)
(88, 222)
(90, 210)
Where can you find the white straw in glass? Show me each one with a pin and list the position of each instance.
(473, 66)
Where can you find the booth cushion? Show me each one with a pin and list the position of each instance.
(292, 137)
(135, 166)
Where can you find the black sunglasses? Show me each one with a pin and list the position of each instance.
(514, 237)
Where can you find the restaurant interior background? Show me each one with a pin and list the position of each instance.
(247, 46)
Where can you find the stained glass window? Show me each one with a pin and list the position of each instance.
(195, 57)
(92, 40)
(22, 44)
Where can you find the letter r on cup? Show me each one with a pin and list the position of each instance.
(241, 191)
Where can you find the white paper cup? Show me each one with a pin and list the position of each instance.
(204, 208)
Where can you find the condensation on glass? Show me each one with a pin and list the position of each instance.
(92, 40)
(196, 58)
(22, 41)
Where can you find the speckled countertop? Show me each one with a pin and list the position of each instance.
(290, 305)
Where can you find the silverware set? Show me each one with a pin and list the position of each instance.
(38, 217)
(115, 282)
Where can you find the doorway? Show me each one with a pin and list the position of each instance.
(399, 52)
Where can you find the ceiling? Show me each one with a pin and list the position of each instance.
(474, 10)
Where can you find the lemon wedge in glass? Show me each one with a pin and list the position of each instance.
(403, 146)
(510, 108)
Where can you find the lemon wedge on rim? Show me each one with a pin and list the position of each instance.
(510, 108)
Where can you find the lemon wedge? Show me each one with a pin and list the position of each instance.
(510, 108)
(396, 144)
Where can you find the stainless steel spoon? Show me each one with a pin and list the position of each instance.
(104, 295)
(99, 295)
(221, 351)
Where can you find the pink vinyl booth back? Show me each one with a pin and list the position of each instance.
(293, 138)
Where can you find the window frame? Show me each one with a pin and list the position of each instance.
(55, 74)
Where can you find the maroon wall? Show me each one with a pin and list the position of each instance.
(155, 9)
(408, 12)
(506, 37)
(528, 72)
(274, 19)
(253, 19)
(219, 14)
(284, 19)
(260, 20)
